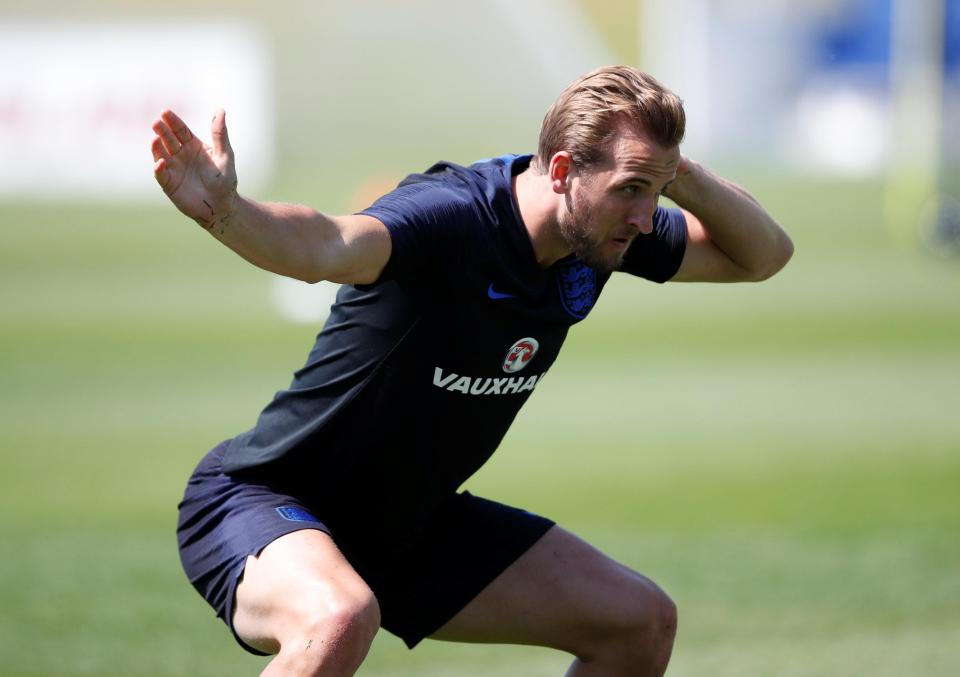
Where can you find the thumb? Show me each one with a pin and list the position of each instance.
(218, 132)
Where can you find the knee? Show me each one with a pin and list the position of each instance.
(664, 622)
(327, 632)
(653, 631)
(663, 617)
(642, 640)
(346, 619)
(358, 617)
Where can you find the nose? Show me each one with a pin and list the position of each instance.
(641, 216)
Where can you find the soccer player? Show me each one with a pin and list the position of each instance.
(339, 511)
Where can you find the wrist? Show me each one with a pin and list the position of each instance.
(226, 212)
(685, 185)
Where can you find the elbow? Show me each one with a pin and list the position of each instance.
(776, 261)
(309, 275)
(339, 276)
(312, 271)
(301, 273)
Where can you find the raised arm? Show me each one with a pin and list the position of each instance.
(730, 236)
(291, 240)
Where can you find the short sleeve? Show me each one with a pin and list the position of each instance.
(428, 223)
(657, 256)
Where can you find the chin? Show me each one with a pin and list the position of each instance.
(601, 263)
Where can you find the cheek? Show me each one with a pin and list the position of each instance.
(617, 212)
(582, 210)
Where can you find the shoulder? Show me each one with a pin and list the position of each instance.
(449, 193)
(441, 192)
(448, 214)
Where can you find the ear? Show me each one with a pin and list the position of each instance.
(561, 170)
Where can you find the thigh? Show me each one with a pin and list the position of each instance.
(562, 593)
(224, 522)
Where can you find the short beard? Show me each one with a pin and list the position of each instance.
(575, 230)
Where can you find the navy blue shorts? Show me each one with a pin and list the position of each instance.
(419, 584)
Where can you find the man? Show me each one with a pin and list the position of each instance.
(338, 512)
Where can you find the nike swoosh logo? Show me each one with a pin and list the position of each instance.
(496, 296)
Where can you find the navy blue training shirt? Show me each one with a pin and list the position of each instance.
(415, 379)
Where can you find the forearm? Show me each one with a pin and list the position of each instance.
(286, 239)
(735, 222)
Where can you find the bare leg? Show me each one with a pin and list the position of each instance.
(301, 600)
(565, 594)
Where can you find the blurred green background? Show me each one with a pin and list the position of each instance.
(783, 458)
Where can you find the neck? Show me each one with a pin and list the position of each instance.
(538, 205)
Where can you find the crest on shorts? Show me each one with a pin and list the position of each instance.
(520, 354)
(578, 288)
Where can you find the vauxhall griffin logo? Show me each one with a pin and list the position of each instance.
(520, 354)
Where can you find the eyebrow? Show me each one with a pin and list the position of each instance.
(634, 178)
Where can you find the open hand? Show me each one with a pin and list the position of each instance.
(200, 180)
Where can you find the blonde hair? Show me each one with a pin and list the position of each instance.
(583, 119)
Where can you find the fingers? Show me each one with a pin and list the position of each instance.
(179, 127)
(169, 144)
(172, 133)
(218, 130)
(160, 173)
(158, 149)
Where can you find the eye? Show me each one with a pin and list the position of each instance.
(631, 189)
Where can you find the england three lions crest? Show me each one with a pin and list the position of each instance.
(578, 289)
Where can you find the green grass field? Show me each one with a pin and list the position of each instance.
(783, 458)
